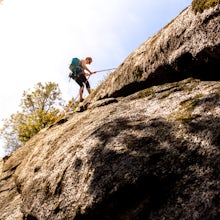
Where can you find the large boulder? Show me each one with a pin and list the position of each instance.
(189, 46)
(144, 145)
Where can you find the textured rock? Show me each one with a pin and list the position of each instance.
(188, 46)
(152, 154)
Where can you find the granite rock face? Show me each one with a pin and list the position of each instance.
(189, 46)
(144, 145)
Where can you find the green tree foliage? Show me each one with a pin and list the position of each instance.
(201, 5)
(39, 108)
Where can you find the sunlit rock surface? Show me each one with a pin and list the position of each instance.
(144, 145)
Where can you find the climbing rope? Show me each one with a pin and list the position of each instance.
(105, 70)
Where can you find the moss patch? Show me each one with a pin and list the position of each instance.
(146, 92)
(201, 5)
(186, 108)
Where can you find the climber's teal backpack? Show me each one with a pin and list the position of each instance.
(75, 67)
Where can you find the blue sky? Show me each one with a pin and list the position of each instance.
(39, 38)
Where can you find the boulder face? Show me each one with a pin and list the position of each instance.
(144, 145)
(189, 46)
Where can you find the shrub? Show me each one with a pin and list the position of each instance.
(201, 5)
